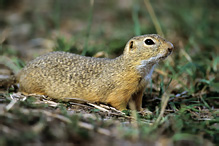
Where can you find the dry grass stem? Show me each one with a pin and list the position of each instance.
(112, 108)
(164, 102)
(11, 104)
(153, 17)
(75, 100)
(183, 52)
(160, 72)
(99, 107)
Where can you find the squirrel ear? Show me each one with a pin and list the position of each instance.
(132, 46)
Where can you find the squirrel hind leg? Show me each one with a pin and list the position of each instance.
(121, 107)
(26, 88)
(118, 101)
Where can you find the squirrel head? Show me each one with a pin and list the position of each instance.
(151, 48)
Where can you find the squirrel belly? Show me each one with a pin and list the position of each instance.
(62, 75)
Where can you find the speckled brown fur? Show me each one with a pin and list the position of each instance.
(63, 75)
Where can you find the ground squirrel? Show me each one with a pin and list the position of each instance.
(116, 81)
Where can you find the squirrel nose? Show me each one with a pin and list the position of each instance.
(170, 46)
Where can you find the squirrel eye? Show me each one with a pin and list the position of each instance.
(149, 42)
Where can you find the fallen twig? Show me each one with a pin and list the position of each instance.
(99, 107)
